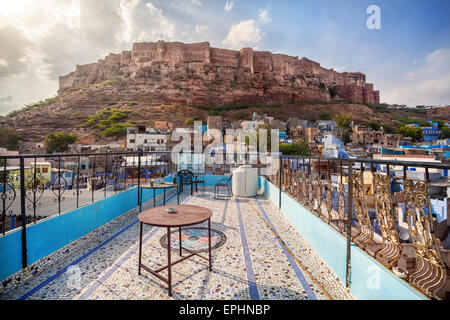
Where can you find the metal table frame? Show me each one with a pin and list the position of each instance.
(169, 265)
(158, 185)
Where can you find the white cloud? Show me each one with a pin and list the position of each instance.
(264, 16)
(13, 56)
(243, 34)
(127, 8)
(196, 2)
(201, 28)
(229, 6)
(428, 84)
(163, 25)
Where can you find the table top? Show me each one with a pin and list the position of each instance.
(186, 215)
(159, 185)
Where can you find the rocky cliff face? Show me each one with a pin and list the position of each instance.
(197, 74)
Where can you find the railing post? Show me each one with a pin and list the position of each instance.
(23, 213)
(279, 182)
(349, 224)
(104, 174)
(59, 185)
(78, 181)
(139, 181)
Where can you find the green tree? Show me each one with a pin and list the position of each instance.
(8, 138)
(324, 115)
(342, 120)
(415, 133)
(299, 148)
(343, 123)
(59, 141)
(189, 121)
(375, 126)
(117, 130)
(269, 139)
(445, 134)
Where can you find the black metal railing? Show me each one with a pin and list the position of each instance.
(384, 207)
(33, 187)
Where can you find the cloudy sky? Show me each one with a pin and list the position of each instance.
(408, 58)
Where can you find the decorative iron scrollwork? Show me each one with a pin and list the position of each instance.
(7, 197)
(365, 232)
(58, 188)
(389, 252)
(34, 190)
(429, 274)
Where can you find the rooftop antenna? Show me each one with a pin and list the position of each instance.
(161, 36)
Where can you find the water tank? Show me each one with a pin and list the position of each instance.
(245, 181)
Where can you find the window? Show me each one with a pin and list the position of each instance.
(132, 140)
(45, 170)
(132, 132)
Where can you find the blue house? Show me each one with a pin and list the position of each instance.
(282, 135)
(431, 133)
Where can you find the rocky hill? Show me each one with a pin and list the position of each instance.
(173, 81)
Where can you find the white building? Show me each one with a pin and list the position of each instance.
(251, 125)
(146, 139)
(333, 147)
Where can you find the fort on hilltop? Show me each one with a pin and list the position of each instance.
(198, 74)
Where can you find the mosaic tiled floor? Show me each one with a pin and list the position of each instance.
(249, 260)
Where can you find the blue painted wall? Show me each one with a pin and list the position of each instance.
(369, 279)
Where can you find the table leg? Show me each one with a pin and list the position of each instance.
(169, 269)
(179, 234)
(154, 198)
(164, 202)
(140, 202)
(140, 248)
(209, 243)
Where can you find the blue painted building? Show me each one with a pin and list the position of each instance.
(431, 133)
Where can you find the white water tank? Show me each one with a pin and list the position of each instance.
(245, 181)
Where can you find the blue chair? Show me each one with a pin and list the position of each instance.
(224, 183)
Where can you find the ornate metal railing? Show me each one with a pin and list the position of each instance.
(379, 223)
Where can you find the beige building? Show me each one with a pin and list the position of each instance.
(367, 136)
(163, 125)
(311, 134)
(214, 122)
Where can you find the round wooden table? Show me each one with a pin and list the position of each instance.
(186, 215)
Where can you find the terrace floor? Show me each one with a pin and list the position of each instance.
(257, 254)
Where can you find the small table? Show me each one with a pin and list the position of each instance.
(187, 215)
(158, 185)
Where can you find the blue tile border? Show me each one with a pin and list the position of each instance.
(295, 267)
(254, 294)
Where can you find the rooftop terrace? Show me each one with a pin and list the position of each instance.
(257, 254)
(318, 229)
